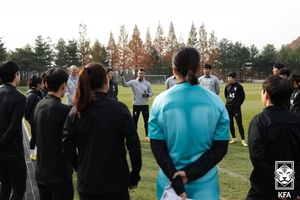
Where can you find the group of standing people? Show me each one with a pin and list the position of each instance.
(67, 136)
(188, 135)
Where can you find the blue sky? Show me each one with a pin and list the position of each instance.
(257, 22)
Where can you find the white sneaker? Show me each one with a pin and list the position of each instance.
(233, 140)
(244, 143)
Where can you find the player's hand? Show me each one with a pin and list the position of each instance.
(182, 175)
(121, 73)
(145, 95)
(183, 196)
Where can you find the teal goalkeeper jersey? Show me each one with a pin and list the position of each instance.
(189, 118)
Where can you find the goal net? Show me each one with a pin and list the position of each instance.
(155, 78)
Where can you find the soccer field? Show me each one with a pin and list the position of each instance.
(234, 169)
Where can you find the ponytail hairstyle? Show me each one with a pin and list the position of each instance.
(91, 78)
(186, 61)
(34, 81)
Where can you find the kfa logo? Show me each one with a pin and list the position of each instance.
(284, 195)
(231, 95)
(284, 175)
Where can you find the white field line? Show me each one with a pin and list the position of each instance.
(25, 128)
(30, 182)
(225, 171)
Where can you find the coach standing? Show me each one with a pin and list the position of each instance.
(142, 90)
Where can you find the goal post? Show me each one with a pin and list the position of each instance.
(155, 78)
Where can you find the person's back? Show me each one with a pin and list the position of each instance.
(53, 172)
(170, 82)
(182, 135)
(52, 167)
(281, 139)
(274, 138)
(97, 133)
(101, 130)
(12, 102)
(182, 105)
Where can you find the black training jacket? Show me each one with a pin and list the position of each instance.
(96, 146)
(12, 105)
(234, 95)
(274, 135)
(52, 167)
(295, 102)
(33, 97)
(113, 90)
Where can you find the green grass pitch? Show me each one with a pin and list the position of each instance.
(234, 169)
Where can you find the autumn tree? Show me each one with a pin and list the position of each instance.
(192, 39)
(212, 49)
(112, 53)
(61, 55)
(203, 49)
(83, 44)
(160, 43)
(98, 53)
(123, 48)
(172, 45)
(136, 50)
(149, 52)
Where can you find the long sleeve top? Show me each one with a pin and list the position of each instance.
(295, 102)
(234, 95)
(96, 144)
(52, 168)
(33, 97)
(113, 90)
(70, 92)
(273, 136)
(170, 82)
(139, 87)
(210, 82)
(181, 139)
(12, 105)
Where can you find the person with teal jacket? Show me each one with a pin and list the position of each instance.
(189, 132)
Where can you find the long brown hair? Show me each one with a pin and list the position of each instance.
(91, 78)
